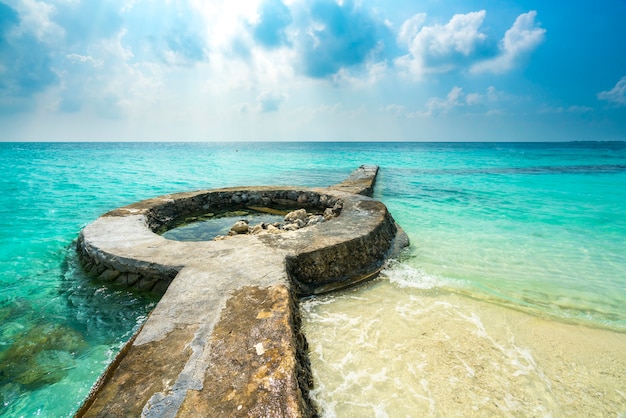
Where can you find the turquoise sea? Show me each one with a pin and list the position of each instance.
(539, 228)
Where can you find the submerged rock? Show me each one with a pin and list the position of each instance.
(234, 213)
(39, 356)
(294, 220)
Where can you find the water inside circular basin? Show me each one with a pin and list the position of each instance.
(208, 226)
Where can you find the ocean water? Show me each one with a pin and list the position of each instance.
(511, 244)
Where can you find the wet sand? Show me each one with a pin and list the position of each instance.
(385, 350)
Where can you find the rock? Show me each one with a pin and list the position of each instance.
(273, 229)
(108, 275)
(260, 350)
(122, 279)
(146, 283)
(39, 356)
(291, 227)
(256, 229)
(133, 278)
(295, 215)
(240, 227)
(314, 219)
(337, 207)
(329, 213)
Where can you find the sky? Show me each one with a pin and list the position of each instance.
(315, 70)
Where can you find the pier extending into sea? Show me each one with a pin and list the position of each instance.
(225, 338)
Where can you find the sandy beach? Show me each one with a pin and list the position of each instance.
(382, 350)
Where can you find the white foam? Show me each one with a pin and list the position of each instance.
(404, 275)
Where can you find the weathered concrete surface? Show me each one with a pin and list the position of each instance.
(266, 370)
(225, 338)
(361, 181)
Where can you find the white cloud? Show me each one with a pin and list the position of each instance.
(617, 95)
(226, 20)
(270, 102)
(410, 28)
(437, 106)
(486, 103)
(521, 39)
(83, 59)
(372, 73)
(36, 19)
(434, 48)
(396, 110)
(473, 98)
(109, 81)
(491, 96)
(545, 109)
(200, 67)
(460, 34)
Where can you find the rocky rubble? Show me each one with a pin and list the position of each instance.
(294, 220)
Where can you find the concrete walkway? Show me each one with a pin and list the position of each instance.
(225, 338)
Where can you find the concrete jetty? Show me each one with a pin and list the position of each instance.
(225, 339)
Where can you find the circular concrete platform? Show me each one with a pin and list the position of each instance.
(225, 339)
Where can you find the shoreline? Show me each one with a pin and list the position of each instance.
(450, 354)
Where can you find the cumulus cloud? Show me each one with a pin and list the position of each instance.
(172, 32)
(9, 20)
(270, 102)
(85, 59)
(367, 75)
(112, 57)
(487, 103)
(25, 58)
(519, 41)
(274, 18)
(491, 96)
(120, 45)
(437, 106)
(87, 21)
(437, 48)
(339, 36)
(109, 81)
(545, 109)
(617, 95)
(461, 44)
(183, 47)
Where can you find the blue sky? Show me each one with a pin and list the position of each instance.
(333, 70)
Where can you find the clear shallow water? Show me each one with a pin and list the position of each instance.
(539, 227)
(211, 227)
(387, 350)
